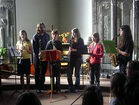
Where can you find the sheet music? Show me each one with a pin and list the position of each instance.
(14, 52)
(109, 46)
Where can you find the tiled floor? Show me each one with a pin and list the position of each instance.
(8, 98)
(83, 80)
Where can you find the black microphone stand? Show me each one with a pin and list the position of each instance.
(40, 63)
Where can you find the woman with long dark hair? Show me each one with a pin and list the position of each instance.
(76, 50)
(125, 48)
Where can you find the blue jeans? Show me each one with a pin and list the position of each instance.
(95, 74)
(122, 68)
(74, 62)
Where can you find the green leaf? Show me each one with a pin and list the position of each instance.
(3, 51)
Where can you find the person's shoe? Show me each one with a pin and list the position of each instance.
(38, 91)
(77, 90)
(70, 91)
(23, 90)
(67, 91)
(58, 90)
(97, 85)
(73, 91)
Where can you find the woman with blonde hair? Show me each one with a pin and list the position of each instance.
(24, 47)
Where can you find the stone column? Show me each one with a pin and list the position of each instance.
(126, 12)
(94, 16)
(1, 37)
(136, 27)
(113, 18)
(14, 25)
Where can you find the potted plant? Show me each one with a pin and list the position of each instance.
(2, 53)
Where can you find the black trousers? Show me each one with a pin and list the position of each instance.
(95, 74)
(74, 62)
(40, 70)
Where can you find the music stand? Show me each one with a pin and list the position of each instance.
(50, 56)
(14, 53)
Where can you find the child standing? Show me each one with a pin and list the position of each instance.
(23, 63)
(55, 44)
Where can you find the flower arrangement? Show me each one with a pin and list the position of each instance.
(64, 36)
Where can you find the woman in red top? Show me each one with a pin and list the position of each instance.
(97, 50)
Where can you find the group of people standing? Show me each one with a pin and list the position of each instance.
(123, 84)
(41, 41)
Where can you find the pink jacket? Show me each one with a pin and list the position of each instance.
(97, 53)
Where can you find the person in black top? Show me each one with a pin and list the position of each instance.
(55, 44)
(40, 40)
(28, 98)
(75, 51)
(92, 96)
(131, 89)
(117, 82)
(132, 66)
(125, 48)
